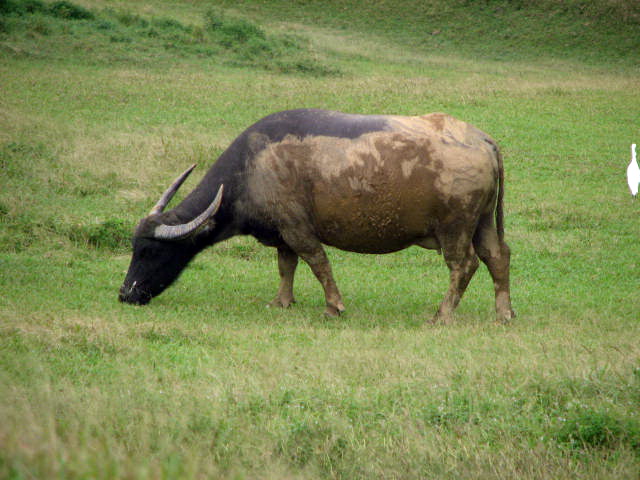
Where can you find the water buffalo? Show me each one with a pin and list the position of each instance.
(298, 179)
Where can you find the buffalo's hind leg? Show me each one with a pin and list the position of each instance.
(462, 262)
(495, 253)
(287, 263)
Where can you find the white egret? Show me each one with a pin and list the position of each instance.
(633, 172)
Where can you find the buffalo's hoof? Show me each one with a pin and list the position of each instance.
(334, 311)
(505, 319)
(281, 302)
(441, 319)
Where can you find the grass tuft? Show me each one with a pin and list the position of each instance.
(233, 31)
(253, 46)
(110, 235)
(593, 429)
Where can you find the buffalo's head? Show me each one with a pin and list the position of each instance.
(161, 251)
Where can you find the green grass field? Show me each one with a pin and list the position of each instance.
(103, 103)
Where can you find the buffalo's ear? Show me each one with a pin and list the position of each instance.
(257, 142)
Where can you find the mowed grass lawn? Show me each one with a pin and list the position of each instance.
(100, 108)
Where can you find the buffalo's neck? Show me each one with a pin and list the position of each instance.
(221, 226)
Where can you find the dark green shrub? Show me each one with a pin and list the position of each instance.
(69, 11)
(23, 7)
(61, 9)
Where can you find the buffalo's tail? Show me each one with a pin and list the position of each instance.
(500, 203)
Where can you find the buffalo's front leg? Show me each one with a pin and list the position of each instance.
(309, 248)
(321, 268)
(287, 263)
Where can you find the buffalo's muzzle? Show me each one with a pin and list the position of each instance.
(133, 295)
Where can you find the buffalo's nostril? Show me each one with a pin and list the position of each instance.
(133, 295)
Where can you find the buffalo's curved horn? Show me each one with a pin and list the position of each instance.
(170, 192)
(177, 232)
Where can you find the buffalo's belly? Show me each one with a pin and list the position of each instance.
(370, 223)
(372, 243)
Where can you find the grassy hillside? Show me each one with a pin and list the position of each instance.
(602, 31)
(104, 102)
